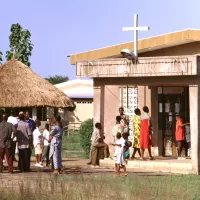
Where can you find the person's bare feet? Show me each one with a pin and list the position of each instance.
(151, 158)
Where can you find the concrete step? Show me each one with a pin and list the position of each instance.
(166, 166)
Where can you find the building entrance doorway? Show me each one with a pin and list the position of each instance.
(171, 101)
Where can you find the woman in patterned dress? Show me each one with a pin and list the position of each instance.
(136, 124)
(56, 145)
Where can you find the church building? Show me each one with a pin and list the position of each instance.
(165, 78)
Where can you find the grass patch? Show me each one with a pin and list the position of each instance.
(72, 138)
(104, 187)
(71, 147)
(73, 154)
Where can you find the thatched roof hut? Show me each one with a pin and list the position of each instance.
(21, 87)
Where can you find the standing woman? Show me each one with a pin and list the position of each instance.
(136, 124)
(56, 145)
(145, 133)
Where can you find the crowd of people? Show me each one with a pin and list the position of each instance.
(120, 133)
(143, 139)
(21, 135)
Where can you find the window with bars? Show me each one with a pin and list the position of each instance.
(129, 101)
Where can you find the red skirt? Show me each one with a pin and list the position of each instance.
(144, 134)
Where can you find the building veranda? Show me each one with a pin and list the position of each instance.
(165, 78)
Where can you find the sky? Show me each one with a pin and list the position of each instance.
(63, 27)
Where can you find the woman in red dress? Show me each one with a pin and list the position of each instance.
(145, 133)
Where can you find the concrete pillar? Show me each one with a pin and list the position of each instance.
(98, 104)
(141, 97)
(154, 117)
(112, 103)
(34, 113)
(194, 97)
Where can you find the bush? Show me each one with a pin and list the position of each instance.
(85, 133)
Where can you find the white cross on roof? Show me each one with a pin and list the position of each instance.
(136, 28)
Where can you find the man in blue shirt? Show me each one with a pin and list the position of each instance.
(30, 122)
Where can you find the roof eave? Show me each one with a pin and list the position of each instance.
(144, 45)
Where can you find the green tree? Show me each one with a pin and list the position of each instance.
(57, 79)
(1, 59)
(20, 44)
(85, 133)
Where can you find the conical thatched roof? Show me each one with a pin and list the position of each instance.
(21, 87)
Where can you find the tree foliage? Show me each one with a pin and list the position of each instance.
(57, 79)
(20, 44)
(1, 59)
(85, 133)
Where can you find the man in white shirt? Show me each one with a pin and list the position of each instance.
(14, 121)
(37, 142)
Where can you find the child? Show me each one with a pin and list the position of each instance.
(126, 152)
(37, 142)
(46, 149)
(126, 146)
(119, 154)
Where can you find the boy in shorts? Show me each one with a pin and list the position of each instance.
(37, 142)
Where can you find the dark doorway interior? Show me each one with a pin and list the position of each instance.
(169, 108)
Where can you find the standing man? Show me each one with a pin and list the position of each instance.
(6, 132)
(30, 122)
(25, 143)
(13, 120)
(124, 120)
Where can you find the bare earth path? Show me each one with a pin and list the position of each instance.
(71, 167)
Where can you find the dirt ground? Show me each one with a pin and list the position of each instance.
(72, 166)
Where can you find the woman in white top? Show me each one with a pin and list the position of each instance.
(46, 148)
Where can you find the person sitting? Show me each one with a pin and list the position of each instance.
(97, 144)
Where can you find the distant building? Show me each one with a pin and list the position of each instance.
(81, 92)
